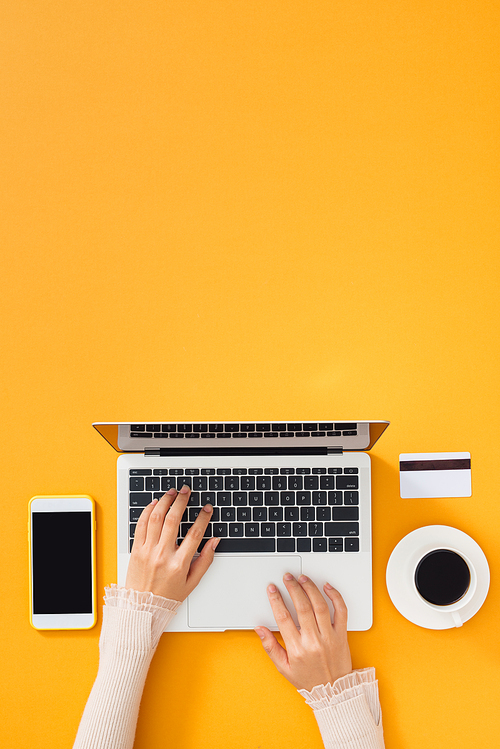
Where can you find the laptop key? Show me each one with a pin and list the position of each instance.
(304, 544)
(284, 529)
(319, 544)
(286, 544)
(351, 498)
(279, 483)
(153, 484)
(335, 548)
(232, 483)
(252, 530)
(240, 499)
(345, 513)
(245, 545)
(319, 498)
(327, 482)
(346, 482)
(307, 513)
(341, 529)
(255, 499)
(268, 529)
(316, 529)
(311, 482)
(303, 498)
(140, 499)
(168, 482)
(260, 514)
(247, 483)
(271, 498)
(287, 499)
(135, 514)
(352, 544)
(335, 498)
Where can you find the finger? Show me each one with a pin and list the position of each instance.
(282, 616)
(195, 534)
(170, 526)
(319, 605)
(340, 608)
(142, 524)
(157, 517)
(303, 607)
(201, 564)
(275, 651)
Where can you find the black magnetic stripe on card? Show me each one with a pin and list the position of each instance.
(434, 465)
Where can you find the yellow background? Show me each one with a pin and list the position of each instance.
(256, 210)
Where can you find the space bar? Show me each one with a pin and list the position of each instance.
(246, 544)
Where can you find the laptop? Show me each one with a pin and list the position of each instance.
(290, 496)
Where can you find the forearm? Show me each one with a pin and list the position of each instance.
(128, 641)
(348, 712)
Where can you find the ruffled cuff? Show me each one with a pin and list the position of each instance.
(162, 610)
(358, 682)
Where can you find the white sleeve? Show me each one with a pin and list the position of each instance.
(131, 629)
(348, 711)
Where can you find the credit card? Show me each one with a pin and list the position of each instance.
(429, 475)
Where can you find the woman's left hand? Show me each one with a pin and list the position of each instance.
(157, 564)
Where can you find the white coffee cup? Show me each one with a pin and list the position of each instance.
(452, 608)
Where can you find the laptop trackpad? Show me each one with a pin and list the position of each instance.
(232, 594)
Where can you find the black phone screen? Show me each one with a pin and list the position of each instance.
(62, 562)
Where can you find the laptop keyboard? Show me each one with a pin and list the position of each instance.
(260, 509)
(241, 431)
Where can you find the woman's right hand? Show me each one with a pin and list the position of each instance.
(319, 652)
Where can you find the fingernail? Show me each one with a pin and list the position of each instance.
(172, 491)
(288, 576)
(271, 588)
(260, 632)
(328, 586)
(303, 579)
(154, 502)
(215, 543)
(184, 489)
(208, 508)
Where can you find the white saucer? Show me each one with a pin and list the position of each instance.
(401, 566)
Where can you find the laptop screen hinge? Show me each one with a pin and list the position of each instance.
(163, 452)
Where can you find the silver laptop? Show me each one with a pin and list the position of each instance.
(288, 497)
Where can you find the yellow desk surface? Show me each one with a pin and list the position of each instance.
(220, 210)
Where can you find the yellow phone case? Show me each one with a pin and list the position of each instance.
(94, 526)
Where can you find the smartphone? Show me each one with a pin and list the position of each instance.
(62, 562)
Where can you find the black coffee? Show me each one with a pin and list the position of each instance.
(442, 577)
